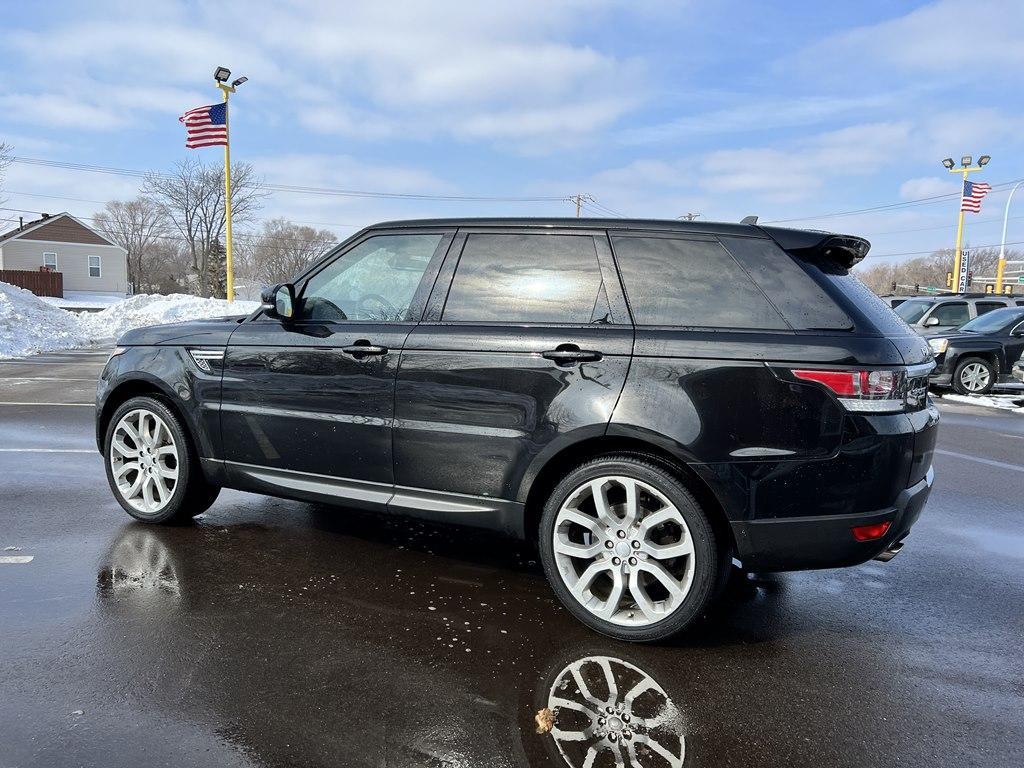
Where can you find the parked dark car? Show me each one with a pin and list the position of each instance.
(979, 354)
(646, 400)
(929, 315)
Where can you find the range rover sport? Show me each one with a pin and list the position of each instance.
(646, 400)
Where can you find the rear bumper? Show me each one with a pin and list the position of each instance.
(790, 544)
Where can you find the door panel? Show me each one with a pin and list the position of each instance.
(293, 399)
(476, 404)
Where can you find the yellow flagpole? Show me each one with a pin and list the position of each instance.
(227, 194)
(959, 239)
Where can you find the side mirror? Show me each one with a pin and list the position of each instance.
(279, 301)
(931, 321)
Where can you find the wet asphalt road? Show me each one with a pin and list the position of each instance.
(278, 633)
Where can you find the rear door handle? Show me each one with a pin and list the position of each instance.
(570, 354)
(363, 348)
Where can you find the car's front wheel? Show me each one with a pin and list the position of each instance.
(151, 466)
(628, 549)
(974, 376)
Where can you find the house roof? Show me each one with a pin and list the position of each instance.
(59, 228)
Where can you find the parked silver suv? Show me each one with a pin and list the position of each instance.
(928, 314)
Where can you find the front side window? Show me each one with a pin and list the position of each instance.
(50, 260)
(954, 313)
(527, 278)
(912, 311)
(376, 280)
(690, 283)
(94, 266)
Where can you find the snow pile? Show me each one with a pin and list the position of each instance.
(154, 309)
(1013, 403)
(29, 325)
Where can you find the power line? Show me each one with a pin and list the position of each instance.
(890, 206)
(296, 189)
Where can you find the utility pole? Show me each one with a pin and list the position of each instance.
(578, 199)
(689, 216)
(964, 169)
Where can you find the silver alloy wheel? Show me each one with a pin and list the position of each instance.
(144, 461)
(607, 705)
(624, 551)
(974, 377)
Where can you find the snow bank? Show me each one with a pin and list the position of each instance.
(154, 309)
(1013, 403)
(29, 325)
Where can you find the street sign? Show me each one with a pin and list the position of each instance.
(1020, 279)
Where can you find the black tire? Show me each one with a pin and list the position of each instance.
(962, 366)
(191, 495)
(708, 555)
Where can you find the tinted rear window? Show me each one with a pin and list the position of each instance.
(527, 279)
(803, 302)
(691, 283)
(882, 317)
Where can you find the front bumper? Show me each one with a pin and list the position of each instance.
(791, 544)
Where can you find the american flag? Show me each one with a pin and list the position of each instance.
(973, 192)
(206, 126)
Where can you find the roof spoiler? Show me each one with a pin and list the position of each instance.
(845, 250)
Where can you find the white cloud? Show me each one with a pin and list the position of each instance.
(926, 186)
(947, 38)
(53, 109)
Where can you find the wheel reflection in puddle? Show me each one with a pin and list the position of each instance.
(140, 565)
(609, 712)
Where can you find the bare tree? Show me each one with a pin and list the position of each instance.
(280, 251)
(6, 158)
(136, 225)
(929, 271)
(193, 199)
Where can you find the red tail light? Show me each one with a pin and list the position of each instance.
(879, 391)
(870, 532)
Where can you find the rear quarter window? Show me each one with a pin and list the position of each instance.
(690, 282)
(803, 303)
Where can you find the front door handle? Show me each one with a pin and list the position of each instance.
(570, 354)
(364, 348)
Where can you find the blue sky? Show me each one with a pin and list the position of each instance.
(786, 109)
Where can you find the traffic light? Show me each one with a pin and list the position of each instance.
(949, 279)
(990, 288)
(892, 287)
(1008, 289)
(917, 287)
(970, 276)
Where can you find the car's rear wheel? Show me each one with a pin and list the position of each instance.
(151, 465)
(974, 376)
(628, 549)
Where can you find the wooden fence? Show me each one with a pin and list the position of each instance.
(40, 283)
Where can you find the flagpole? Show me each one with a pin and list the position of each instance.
(965, 168)
(226, 90)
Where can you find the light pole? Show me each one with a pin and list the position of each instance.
(220, 76)
(964, 169)
(1002, 243)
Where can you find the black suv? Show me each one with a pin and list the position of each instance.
(646, 400)
(979, 354)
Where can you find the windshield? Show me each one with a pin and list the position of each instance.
(912, 311)
(993, 321)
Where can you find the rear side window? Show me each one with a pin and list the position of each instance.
(988, 306)
(803, 303)
(527, 278)
(690, 282)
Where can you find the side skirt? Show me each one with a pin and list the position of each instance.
(493, 514)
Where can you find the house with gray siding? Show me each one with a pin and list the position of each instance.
(86, 259)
